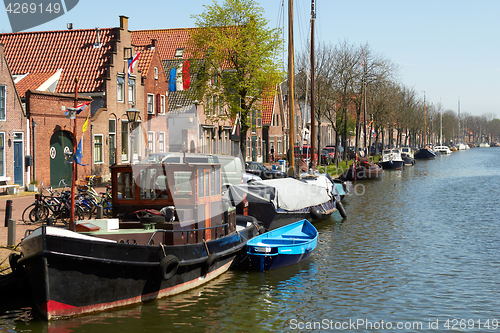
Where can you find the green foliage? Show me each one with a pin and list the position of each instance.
(239, 56)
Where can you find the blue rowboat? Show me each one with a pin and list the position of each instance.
(283, 246)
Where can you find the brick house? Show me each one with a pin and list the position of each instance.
(49, 61)
(213, 133)
(14, 141)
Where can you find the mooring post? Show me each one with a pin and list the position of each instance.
(11, 237)
(99, 212)
(8, 212)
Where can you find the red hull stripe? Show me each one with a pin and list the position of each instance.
(52, 309)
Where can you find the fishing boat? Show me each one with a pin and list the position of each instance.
(425, 154)
(391, 159)
(407, 156)
(173, 234)
(284, 246)
(279, 202)
(362, 170)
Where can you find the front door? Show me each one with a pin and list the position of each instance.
(60, 142)
(18, 159)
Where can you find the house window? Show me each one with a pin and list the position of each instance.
(156, 73)
(120, 84)
(112, 141)
(279, 146)
(179, 53)
(254, 122)
(151, 104)
(124, 140)
(151, 142)
(163, 104)
(259, 146)
(161, 142)
(131, 90)
(2, 102)
(98, 153)
(2, 154)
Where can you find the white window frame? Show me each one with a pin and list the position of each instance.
(131, 90)
(163, 104)
(120, 95)
(151, 141)
(152, 111)
(156, 73)
(4, 101)
(161, 142)
(101, 150)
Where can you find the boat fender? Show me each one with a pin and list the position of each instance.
(315, 213)
(16, 268)
(341, 209)
(169, 266)
(210, 262)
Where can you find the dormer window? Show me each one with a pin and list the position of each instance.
(179, 53)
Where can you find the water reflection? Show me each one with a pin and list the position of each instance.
(421, 244)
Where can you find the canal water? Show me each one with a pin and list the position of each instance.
(419, 252)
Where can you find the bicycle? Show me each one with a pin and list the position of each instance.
(56, 206)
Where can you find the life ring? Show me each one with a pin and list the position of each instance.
(16, 268)
(168, 266)
(210, 263)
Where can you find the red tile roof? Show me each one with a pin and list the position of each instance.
(145, 58)
(71, 50)
(167, 40)
(267, 107)
(32, 81)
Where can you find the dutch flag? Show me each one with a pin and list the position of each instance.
(132, 62)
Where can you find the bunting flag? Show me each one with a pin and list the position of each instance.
(373, 132)
(131, 63)
(79, 154)
(85, 124)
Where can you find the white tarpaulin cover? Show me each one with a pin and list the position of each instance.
(286, 193)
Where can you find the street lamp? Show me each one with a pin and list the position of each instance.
(132, 115)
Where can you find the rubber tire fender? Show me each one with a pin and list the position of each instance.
(168, 266)
(340, 208)
(209, 263)
(16, 268)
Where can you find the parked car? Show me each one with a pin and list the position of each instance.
(304, 152)
(327, 155)
(259, 169)
(248, 177)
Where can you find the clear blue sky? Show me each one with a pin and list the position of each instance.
(447, 48)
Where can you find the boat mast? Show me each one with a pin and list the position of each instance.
(459, 120)
(291, 113)
(313, 137)
(425, 124)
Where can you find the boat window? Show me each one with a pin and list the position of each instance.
(183, 187)
(217, 182)
(212, 181)
(201, 192)
(125, 185)
(207, 182)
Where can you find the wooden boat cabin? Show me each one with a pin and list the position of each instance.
(188, 195)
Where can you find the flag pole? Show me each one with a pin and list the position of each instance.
(72, 211)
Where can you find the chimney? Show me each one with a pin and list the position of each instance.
(123, 22)
(98, 43)
(69, 26)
